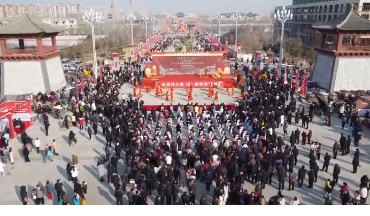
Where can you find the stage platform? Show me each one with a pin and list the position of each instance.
(199, 96)
(184, 80)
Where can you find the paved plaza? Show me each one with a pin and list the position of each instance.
(29, 174)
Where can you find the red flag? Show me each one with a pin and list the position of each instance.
(285, 77)
(297, 80)
(303, 89)
(76, 91)
(277, 73)
(82, 85)
(101, 72)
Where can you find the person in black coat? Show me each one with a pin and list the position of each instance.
(327, 159)
(109, 172)
(356, 160)
(119, 196)
(301, 176)
(168, 192)
(203, 200)
(108, 138)
(117, 149)
(295, 153)
(23, 194)
(114, 162)
(316, 169)
(336, 172)
(26, 154)
(311, 178)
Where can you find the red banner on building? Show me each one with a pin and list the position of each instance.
(196, 84)
(303, 89)
(297, 80)
(101, 68)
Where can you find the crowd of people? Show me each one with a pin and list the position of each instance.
(206, 146)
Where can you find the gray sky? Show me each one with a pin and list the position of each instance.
(174, 6)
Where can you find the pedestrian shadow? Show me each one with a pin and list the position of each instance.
(65, 138)
(98, 153)
(17, 190)
(62, 172)
(30, 189)
(69, 191)
(42, 129)
(99, 139)
(106, 195)
(93, 171)
(65, 159)
(83, 134)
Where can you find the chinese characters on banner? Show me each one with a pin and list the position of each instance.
(185, 84)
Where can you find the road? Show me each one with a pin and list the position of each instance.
(29, 174)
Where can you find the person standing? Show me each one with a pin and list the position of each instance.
(74, 174)
(89, 131)
(119, 196)
(11, 156)
(304, 137)
(311, 178)
(343, 144)
(327, 159)
(295, 152)
(46, 125)
(26, 154)
(336, 172)
(37, 145)
(109, 172)
(309, 136)
(285, 128)
(23, 194)
(292, 179)
(348, 143)
(55, 147)
(301, 176)
(114, 162)
(59, 189)
(356, 160)
(336, 148)
(292, 139)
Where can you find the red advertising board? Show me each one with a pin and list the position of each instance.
(185, 63)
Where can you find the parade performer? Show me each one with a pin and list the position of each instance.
(231, 93)
(211, 90)
(171, 94)
(216, 96)
(190, 96)
(137, 91)
(158, 91)
(167, 95)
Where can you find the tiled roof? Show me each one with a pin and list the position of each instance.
(27, 25)
(349, 22)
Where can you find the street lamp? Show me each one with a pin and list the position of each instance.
(131, 18)
(236, 17)
(92, 18)
(146, 20)
(211, 20)
(152, 20)
(218, 17)
(282, 16)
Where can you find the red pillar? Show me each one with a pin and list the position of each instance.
(39, 46)
(3, 46)
(54, 43)
(11, 126)
(339, 43)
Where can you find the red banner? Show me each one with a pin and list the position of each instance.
(277, 73)
(197, 84)
(186, 64)
(285, 77)
(297, 80)
(82, 85)
(303, 89)
(101, 68)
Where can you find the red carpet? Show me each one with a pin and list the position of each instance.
(157, 107)
(184, 80)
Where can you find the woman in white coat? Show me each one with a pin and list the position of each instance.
(282, 120)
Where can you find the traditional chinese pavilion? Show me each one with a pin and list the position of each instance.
(343, 53)
(30, 67)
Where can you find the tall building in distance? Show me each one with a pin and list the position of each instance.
(307, 12)
(45, 10)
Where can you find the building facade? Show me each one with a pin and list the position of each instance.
(47, 10)
(307, 12)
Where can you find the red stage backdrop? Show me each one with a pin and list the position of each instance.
(186, 63)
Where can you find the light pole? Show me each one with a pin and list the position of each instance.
(152, 20)
(282, 16)
(92, 18)
(211, 20)
(236, 17)
(218, 17)
(131, 18)
(146, 20)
